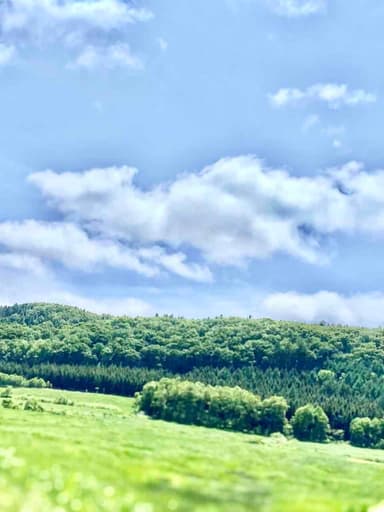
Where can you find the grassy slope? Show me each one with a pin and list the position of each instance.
(100, 456)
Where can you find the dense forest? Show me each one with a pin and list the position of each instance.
(339, 368)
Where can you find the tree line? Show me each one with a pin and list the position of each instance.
(43, 333)
(233, 408)
(194, 403)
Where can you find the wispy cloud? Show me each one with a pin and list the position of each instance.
(7, 53)
(286, 8)
(163, 44)
(310, 122)
(333, 95)
(297, 8)
(113, 56)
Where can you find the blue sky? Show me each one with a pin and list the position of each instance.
(195, 158)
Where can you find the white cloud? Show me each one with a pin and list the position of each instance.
(95, 31)
(113, 56)
(334, 95)
(228, 211)
(232, 211)
(176, 263)
(67, 244)
(33, 243)
(7, 53)
(297, 8)
(22, 262)
(44, 19)
(358, 309)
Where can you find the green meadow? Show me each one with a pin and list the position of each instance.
(93, 453)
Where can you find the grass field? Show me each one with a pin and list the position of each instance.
(97, 455)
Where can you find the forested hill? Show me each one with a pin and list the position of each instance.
(41, 333)
(339, 368)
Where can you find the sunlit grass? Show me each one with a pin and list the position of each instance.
(97, 455)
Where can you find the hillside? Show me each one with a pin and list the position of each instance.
(89, 453)
(340, 368)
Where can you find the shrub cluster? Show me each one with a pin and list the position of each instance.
(212, 406)
(367, 432)
(18, 381)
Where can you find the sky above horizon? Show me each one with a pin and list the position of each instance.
(194, 158)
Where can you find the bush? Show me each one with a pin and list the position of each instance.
(212, 406)
(18, 381)
(367, 433)
(37, 382)
(62, 400)
(33, 405)
(7, 392)
(8, 403)
(310, 423)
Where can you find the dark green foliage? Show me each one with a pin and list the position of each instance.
(116, 380)
(212, 406)
(310, 423)
(346, 399)
(43, 333)
(338, 368)
(367, 432)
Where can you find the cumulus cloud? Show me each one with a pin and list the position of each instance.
(359, 309)
(93, 29)
(34, 243)
(297, 8)
(333, 95)
(231, 212)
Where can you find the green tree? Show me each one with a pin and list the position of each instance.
(310, 423)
